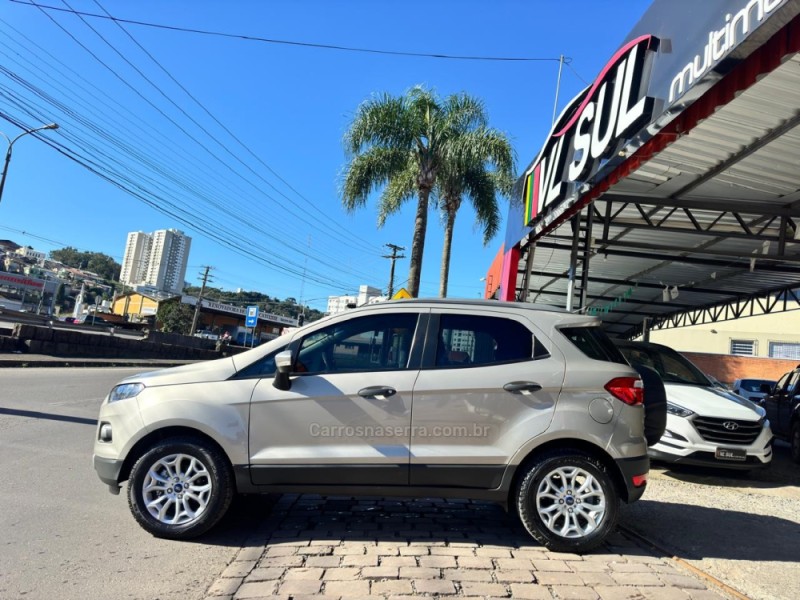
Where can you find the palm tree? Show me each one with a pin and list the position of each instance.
(468, 176)
(399, 143)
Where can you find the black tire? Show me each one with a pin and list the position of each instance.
(185, 464)
(563, 505)
(794, 440)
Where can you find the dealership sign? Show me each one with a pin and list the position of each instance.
(592, 128)
(720, 41)
(241, 311)
(21, 281)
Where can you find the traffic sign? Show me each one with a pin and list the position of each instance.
(401, 294)
(252, 316)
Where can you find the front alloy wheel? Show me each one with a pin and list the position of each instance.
(567, 501)
(180, 488)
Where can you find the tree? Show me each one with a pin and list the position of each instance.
(399, 143)
(175, 316)
(465, 173)
(96, 262)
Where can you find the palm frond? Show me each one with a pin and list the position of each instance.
(368, 171)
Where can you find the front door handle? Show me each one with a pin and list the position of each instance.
(522, 386)
(377, 390)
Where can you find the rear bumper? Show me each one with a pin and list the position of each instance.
(630, 468)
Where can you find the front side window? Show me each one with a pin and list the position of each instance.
(372, 343)
(670, 365)
(264, 367)
(465, 340)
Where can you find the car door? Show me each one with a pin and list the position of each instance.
(489, 383)
(775, 403)
(787, 402)
(346, 417)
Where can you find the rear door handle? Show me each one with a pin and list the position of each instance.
(522, 386)
(377, 390)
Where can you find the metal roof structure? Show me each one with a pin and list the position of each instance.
(700, 223)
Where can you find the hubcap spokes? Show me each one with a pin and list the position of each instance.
(177, 489)
(571, 502)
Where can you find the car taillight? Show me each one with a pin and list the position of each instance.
(628, 389)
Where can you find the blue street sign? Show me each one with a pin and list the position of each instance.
(252, 316)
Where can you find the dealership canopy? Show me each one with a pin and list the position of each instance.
(668, 191)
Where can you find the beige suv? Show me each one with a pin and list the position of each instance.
(529, 407)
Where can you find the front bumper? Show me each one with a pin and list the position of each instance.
(108, 470)
(683, 444)
(708, 459)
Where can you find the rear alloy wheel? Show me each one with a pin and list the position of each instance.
(567, 501)
(795, 441)
(180, 488)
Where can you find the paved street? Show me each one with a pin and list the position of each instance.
(64, 536)
(351, 548)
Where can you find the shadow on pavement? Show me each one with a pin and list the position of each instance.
(696, 532)
(318, 520)
(243, 518)
(33, 414)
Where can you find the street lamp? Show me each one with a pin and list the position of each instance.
(11, 146)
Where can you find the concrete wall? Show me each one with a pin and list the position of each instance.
(37, 339)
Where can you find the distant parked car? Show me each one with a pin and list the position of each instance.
(751, 388)
(706, 426)
(782, 404)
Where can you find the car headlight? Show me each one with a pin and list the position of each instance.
(678, 410)
(125, 391)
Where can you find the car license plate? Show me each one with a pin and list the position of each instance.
(731, 454)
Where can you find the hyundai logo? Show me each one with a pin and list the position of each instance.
(731, 425)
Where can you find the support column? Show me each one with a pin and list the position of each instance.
(573, 261)
(587, 255)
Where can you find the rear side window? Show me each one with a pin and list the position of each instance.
(754, 385)
(465, 340)
(594, 343)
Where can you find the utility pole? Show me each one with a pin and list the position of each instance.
(393, 257)
(199, 301)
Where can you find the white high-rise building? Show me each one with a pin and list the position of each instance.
(157, 260)
(134, 262)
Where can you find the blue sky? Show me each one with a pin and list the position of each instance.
(242, 139)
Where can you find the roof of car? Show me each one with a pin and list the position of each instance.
(471, 302)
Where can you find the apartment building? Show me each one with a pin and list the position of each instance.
(157, 260)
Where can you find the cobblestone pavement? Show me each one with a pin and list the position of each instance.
(334, 547)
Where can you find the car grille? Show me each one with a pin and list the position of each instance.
(728, 431)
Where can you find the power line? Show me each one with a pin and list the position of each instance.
(252, 38)
(102, 132)
(218, 122)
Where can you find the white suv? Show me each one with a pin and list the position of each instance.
(532, 408)
(706, 426)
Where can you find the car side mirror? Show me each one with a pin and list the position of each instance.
(283, 365)
(765, 388)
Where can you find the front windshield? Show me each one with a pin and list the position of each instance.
(673, 367)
